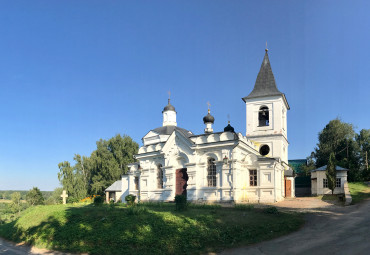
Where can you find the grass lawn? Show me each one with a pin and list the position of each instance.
(359, 191)
(147, 229)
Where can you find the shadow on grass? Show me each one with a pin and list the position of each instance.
(115, 230)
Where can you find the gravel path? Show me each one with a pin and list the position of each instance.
(330, 230)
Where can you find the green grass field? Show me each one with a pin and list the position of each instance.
(359, 191)
(150, 229)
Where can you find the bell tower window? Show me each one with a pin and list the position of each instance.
(263, 116)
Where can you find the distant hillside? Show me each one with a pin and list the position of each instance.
(6, 194)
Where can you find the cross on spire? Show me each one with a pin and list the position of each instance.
(266, 47)
(209, 107)
(228, 118)
(169, 96)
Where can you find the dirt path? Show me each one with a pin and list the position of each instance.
(331, 230)
(10, 248)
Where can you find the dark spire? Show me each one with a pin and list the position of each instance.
(229, 128)
(265, 83)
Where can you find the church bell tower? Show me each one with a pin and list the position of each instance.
(266, 109)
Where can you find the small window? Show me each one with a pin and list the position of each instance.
(264, 150)
(253, 177)
(136, 181)
(159, 177)
(338, 183)
(263, 117)
(211, 177)
(325, 183)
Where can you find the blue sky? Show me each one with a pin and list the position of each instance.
(72, 72)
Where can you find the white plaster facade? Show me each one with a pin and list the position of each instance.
(319, 175)
(242, 173)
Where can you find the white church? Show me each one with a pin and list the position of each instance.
(223, 166)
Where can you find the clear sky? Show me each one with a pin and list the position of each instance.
(72, 72)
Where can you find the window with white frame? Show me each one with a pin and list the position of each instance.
(211, 170)
(325, 183)
(338, 182)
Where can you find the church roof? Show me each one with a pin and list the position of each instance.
(208, 118)
(116, 186)
(323, 168)
(167, 130)
(169, 107)
(265, 83)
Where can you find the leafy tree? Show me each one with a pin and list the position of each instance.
(331, 172)
(73, 180)
(34, 197)
(310, 165)
(109, 161)
(92, 175)
(339, 137)
(15, 205)
(363, 140)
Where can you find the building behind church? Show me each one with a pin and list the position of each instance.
(224, 166)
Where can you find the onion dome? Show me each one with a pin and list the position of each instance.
(208, 118)
(229, 128)
(169, 107)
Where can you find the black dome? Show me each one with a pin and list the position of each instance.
(229, 128)
(169, 107)
(208, 118)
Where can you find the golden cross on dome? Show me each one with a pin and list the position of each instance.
(208, 106)
(228, 118)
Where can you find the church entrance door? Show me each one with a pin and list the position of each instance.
(181, 181)
(288, 188)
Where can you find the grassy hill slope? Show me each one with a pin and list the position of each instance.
(145, 230)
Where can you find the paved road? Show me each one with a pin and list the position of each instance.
(339, 230)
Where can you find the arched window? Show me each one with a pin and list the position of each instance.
(159, 176)
(211, 169)
(263, 116)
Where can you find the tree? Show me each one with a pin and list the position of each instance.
(109, 161)
(310, 165)
(34, 197)
(15, 205)
(92, 175)
(363, 140)
(72, 180)
(331, 172)
(339, 137)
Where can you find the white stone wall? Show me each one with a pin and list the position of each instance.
(232, 177)
(274, 135)
(317, 186)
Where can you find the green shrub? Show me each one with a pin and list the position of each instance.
(181, 202)
(130, 199)
(271, 210)
(71, 200)
(244, 207)
(98, 200)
